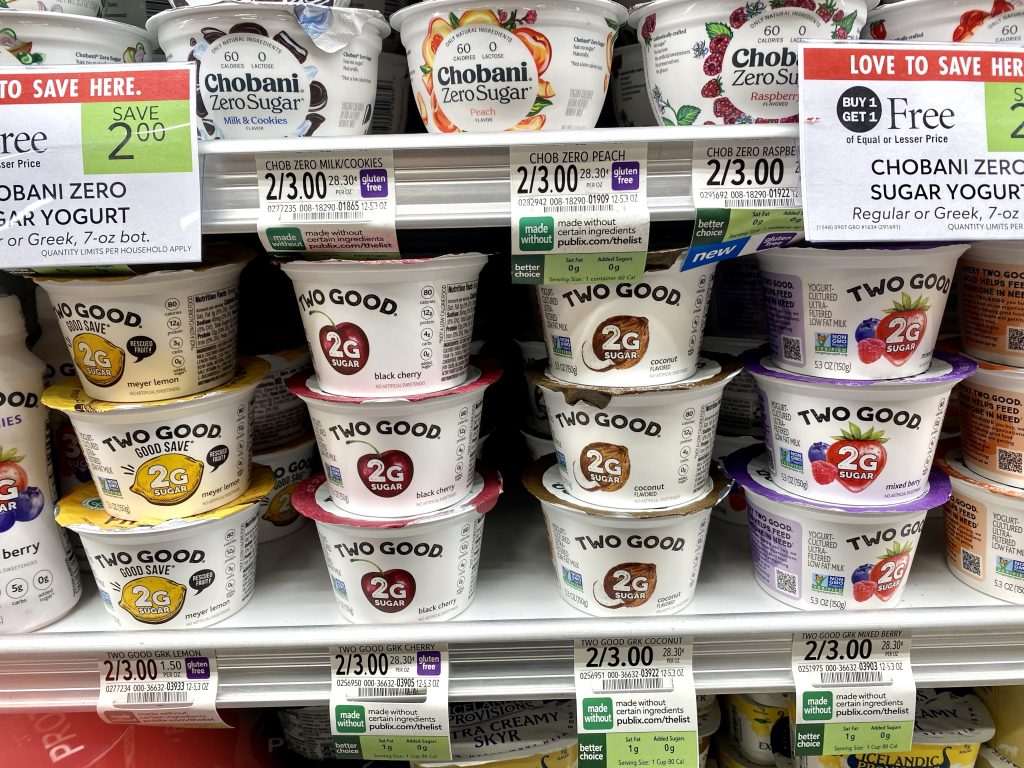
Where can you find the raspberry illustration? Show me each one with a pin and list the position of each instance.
(713, 64)
(737, 18)
(870, 350)
(712, 88)
(726, 110)
(719, 43)
(864, 590)
(807, 5)
(840, 34)
(826, 10)
(838, 16)
(824, 473)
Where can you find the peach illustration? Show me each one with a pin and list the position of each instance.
(608, 46)
(534, 123)
(441, 122)
(422, 108)
(478, 16)
(428, 82)
(436, 33)
(538, 46)
(544, 89)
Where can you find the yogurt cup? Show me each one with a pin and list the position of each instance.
(638, 448)
(391, 104)
(948, 21)
(623, 562)
(94, 8)
(750, 724)
(733, 508)
(535, 354)
(37, 37)
(855, 443)
(627, 334)
(355, 312)
(709, 720)
(307, 731)
(992, 422)
(400, 571)
(984, 529)
(475, 67)
(991, 303)
(719, 62)
(486, 732)
(291, 465)
(629, 88)
(278, 416)
(170, 574)
(170, 458)
(394, 458)
(818, 556)
(741, 406)
(737, 301)
(153, 336)
(306, 69)
(537, 445)
(856, 313)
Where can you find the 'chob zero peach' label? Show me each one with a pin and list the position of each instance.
(97, 359)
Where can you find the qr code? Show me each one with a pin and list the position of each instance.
(970, 562)
(785, 582)
(1010, 461)
(791, 349)
(1015, 339)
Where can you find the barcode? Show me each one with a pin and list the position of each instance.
(970, 562)
(639, 684)
(579, 100)
(328, 216)
(353, 113)
(577, 208)
(1010, 461)
(775, 202)
(383, 108)
(785, 582)
(792, 349)
(851, 677)
(375, 692)
(1015, 339)
(157, 697)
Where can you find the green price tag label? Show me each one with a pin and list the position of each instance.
(136, 137)
(418, 748)
(854, 738)
(579, 268)
(656, 749)
(1004, 117)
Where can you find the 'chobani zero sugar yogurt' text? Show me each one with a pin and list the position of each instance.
(949, 21)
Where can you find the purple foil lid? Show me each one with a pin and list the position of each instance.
(749, 468)
(961, 367)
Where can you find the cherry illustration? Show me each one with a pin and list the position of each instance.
(345, 345)
(389, 591)
(384, 474)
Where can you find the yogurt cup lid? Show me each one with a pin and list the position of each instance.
(950, 458)
(949, 718)
(381, 270)
(82, 510)
(749, 468)
(399, 17)
(808, 249)
(985, 365)
(945, 366)
(482, 373)
(313, 500)
(544, 480)
(69, 396)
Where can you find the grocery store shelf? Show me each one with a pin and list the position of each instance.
(514, 642)
(460, 180)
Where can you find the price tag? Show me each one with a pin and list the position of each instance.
(579, 213)
(390, 702)
(635, 703)
(927, 141)
(159, 688)
(855, 692)
(747, 197)
(98, 166)
(328, 203)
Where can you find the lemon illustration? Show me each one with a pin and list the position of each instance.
(168, 480)
(280, 511)
(97, 359)
(153, 599)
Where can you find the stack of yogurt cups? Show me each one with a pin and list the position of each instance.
(853, 396)
(396, 407)
(162, 409)
(632, 407)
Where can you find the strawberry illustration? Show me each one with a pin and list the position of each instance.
(863, 590)
(877, 30)
(713, 64)
(891, 569)
(859, 456)
(826, 9)
(903, 327)
(712, 88)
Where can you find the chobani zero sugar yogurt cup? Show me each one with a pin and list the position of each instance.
(855, 443)
(948, 21)
(392, 458)
(48, 38)
(278, 416)
(733, 61)
(170, 458)
(391, 104)
(478, 67)
(155, 574)
(271, 70)
(152, 336)
(623, 562)
(627, 334)
(637, 448)
(629, 88)
(291, 465)
(401, 571)
(820, 556)
(992, 302)
(992, 422)
(856, 313)
(388, 329)
(984, 529)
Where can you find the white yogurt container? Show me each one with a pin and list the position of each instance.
(737, 301)
(170, 458)
(31, 37)
(741, 405)
(984, 529)
(638, 448)
(401, 571)
(623, 562)
(388, 328)
(733, 508)
(534, 354)
(949, 21)
(94, 8)
(150, 337)
(272, 70)
(537, 445)
(291, 464)
(627, 334)
(541, 67)
(856, 313)
(513, 733)
(855, 443)
(629, 88)
(991, 302)
(992, 422)
(731, 61)
(278, 416)
(818, 556)
(307, 731)
(390, 107)
(750, 724)
(393, 458)
(170, 574)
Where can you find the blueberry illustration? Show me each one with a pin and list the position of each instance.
(863, 573)
(817, 452)
(866, 329)
(28, 504)
(6, 520)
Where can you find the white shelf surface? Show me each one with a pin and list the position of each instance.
(515, 639)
